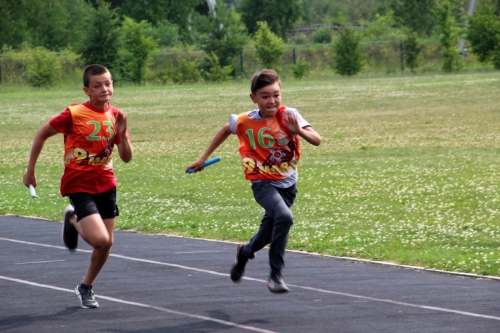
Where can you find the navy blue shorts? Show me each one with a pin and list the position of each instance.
(86, 204)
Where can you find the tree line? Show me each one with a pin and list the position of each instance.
(121, 34)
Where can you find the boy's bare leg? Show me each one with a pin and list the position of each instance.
(99, 234)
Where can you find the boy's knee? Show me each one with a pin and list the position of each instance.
(103, 243)
(286, 218)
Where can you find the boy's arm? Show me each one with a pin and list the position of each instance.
(125, 149)
(218, 139)
(43, 134)
(310, 135)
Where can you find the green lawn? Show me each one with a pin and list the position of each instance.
(407, 172)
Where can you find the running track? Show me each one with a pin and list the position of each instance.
(171, 284)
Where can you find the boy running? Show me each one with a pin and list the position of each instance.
(270, 151)
(91, 130)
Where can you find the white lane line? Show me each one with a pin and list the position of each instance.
(123, 257)
(367, 298)
(36, 262)
(143, 305)
(324, 291)
(194, 252)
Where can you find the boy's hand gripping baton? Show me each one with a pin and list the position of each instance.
(207, 163)
(32, 189)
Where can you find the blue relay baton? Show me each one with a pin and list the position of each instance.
(207, 163)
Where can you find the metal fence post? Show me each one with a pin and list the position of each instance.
(401, 52)
(241, 64)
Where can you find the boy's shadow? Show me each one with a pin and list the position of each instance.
(197, 327)
(19, 321)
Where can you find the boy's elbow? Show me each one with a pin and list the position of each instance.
(316, 141)
(126, 157)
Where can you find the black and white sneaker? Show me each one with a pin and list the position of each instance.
(69, 233)
(277, 285)
(86, 296)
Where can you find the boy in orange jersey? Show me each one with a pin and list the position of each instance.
(91, 130)
(270, 151)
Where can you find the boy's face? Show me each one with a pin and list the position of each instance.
(100, 90)
(268, 99)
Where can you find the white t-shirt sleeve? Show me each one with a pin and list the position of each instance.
(232, 122)
(302, 122)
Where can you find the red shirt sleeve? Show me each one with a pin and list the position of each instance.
(63, 122)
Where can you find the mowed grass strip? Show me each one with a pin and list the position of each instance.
(408, 170)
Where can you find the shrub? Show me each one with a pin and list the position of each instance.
(216, 72)
(13, 65)
(43, 69)
(299, 39)
(348, 56)
(71, 66)
(322, 35)
(161, 74)
(186, 71)
(301, 68)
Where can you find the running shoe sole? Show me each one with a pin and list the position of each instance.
(277, 287)
(69, 233)
(237, 272)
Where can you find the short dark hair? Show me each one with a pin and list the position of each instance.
(93, 70)
(264, 78)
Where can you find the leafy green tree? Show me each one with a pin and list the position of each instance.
(483, 34)
(449, 35)
(458, 10)
(14, 22)
(269, 48)
(280, 15)
(342, 11)
(102, 42)
(222, 33)
(496, 6)
(53, 24)
(137, 44)
(418, 15)
(166, 33)
(382, 28)
(348, 55)
(155, 11)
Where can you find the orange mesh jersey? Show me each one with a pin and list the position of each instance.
(91, 143)
(268, 149)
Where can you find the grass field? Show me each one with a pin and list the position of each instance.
(408, 170)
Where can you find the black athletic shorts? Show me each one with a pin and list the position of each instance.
(86, 204)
